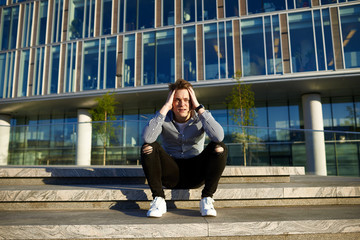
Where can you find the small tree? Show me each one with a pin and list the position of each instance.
(104, 112)
(241, 101)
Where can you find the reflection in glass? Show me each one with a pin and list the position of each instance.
(209, 9)
(212, 50)
(76, 19)
(328, 40)
(7, 61)
(303, 3)
(188, 11)
(350, 27)
(189, 53)
(165, 57)
(168, 12)
(230, 50)
(253, 54)
(319, 40)
(277, 44)
(257, 6)
(23, 73)
(302, 42)
(222, 53)
(41, 25)
(2, 73)
(231, 8)
(57, 20)
(121, 16)
(90, 65)
(106, 13)
(8, 28)
(269, 44)
(70, 68)
(129, 60)
(148, 58)
(139, 14)
(278, 114)
(38, 71)
(54, 66)
(27, 24)
(110, 64)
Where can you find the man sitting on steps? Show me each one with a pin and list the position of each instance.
(182, 162)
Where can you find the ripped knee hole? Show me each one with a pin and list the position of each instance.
(147, 149)
(219, 149)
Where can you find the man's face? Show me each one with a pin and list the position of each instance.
(182, 105)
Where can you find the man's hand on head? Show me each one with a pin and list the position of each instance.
(194, 100)
(168, 104)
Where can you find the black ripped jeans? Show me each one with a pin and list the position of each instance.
(163, 170)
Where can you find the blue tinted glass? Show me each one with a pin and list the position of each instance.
(106, 17)
(41, 29)
(149, 58)
(343, 114)
(319, 41)
(165, 61)
(102, 64)
(350, 26)
(27, 23)
(38, 71)
(2, 2)
(302, 42)
(110, 62)
(129, 60)
(130, 15)
(70, 67)
(277, 44)
(188, 11)
(290, 4)
(189, 48)
(269, 45)
(323, 2)
(209, 9)
(8, 74)
(199, 10)
(259, 6)
(303, 3)
(23, 73)
(9, 24)
(90, 65)
(146, 14)
(231, 8)
(168, 12)
(76, 19)
(57, 21)
(222, 52)
(90, 18)
(253, 54)
(211, 51)
(121, 16)
(54, 69)
(328, 40)
(230, 49)
(278, 118)
(2, 74)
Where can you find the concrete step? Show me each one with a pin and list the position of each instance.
(24, 175)
(301, 190)
(268, 223)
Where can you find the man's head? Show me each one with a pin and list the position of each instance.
(182, 104)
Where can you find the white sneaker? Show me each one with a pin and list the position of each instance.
(157, 207)
(207, 207)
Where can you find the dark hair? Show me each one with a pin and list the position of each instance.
(179, 84)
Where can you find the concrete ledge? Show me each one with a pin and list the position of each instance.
(132, 171)
(235, 222)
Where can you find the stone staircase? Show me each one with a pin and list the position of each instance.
(111, 202)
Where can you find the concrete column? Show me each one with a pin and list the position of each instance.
(4, 138)
(314, 140)
(83, 143)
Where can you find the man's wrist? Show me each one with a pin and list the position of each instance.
(199, 107)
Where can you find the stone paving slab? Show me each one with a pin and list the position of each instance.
(181, 223)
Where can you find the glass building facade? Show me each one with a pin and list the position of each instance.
(57, 56)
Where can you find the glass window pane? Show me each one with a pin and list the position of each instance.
(189, 48)
(129, 60)
(41, 28)
(27, 24)
(106, 17)
(149, 58)
(23, 73)
(146, 14)
(7, 74)
(343, 114)
(54, 69)
(231, 8)
(319, 40)
(121, 16)
(269, 46)
(110, 62)
(89, 18)
(57, 20)
(130, 15)
(165, 59)
(328, 40)
(303, 3)
(90, 65)
(222, 52)
(357, 113)
(70, 67)
(302, 42)
(253, 54)
(2, 74)
(38, 71)
(324, 2)
(279, 118)
(257, 6)
(211, 51)
(188, 11)
(230, 50)
(350, 26)
(168, 12)
(199, 10)
(76, 19)
(277, 44)
(8, 27)
(101, 64)
(209, 9)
